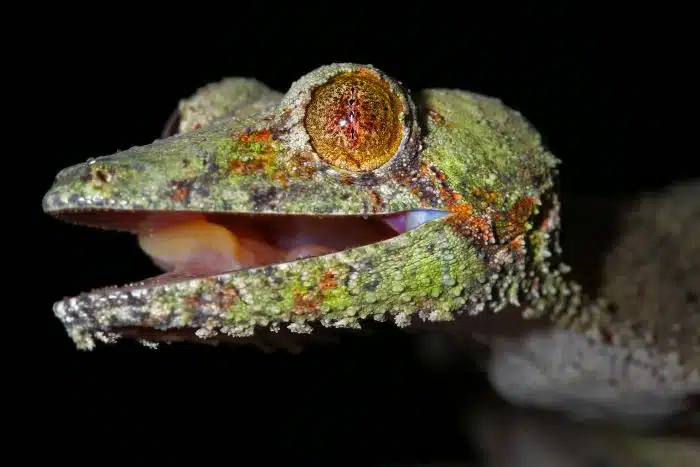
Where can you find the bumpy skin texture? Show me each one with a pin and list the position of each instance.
(465, 154)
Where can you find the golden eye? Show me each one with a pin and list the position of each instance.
(354, 121)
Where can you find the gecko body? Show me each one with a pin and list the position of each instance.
(349, 200)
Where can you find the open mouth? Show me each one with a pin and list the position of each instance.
(187, 245)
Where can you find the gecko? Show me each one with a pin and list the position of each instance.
(350, 200)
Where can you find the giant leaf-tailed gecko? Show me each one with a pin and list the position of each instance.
(349, 200)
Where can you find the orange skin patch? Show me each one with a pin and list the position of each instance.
(328, 281)
(485, 228)
(180, 192)
(264, 161)
(302, 165)
(508, 226)
(473, 226)
(512, 223)
(516, 245)
(248, 167)
(305, 303)
(261, 136)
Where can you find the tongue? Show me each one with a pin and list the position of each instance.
(202, 247)
(196, 244)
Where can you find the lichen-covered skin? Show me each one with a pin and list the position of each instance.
(467, 156)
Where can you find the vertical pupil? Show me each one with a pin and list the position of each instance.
(352, 117)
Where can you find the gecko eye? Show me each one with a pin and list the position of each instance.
(355, 121)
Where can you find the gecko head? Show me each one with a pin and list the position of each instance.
(324, 204)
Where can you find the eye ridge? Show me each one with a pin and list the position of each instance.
(354, 121)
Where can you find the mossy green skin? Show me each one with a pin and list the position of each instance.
(468, 155)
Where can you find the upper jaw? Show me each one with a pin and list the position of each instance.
(252, 163)
(224, 168)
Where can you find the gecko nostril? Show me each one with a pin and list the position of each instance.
(691, 298)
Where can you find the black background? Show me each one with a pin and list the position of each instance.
(614, 99)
